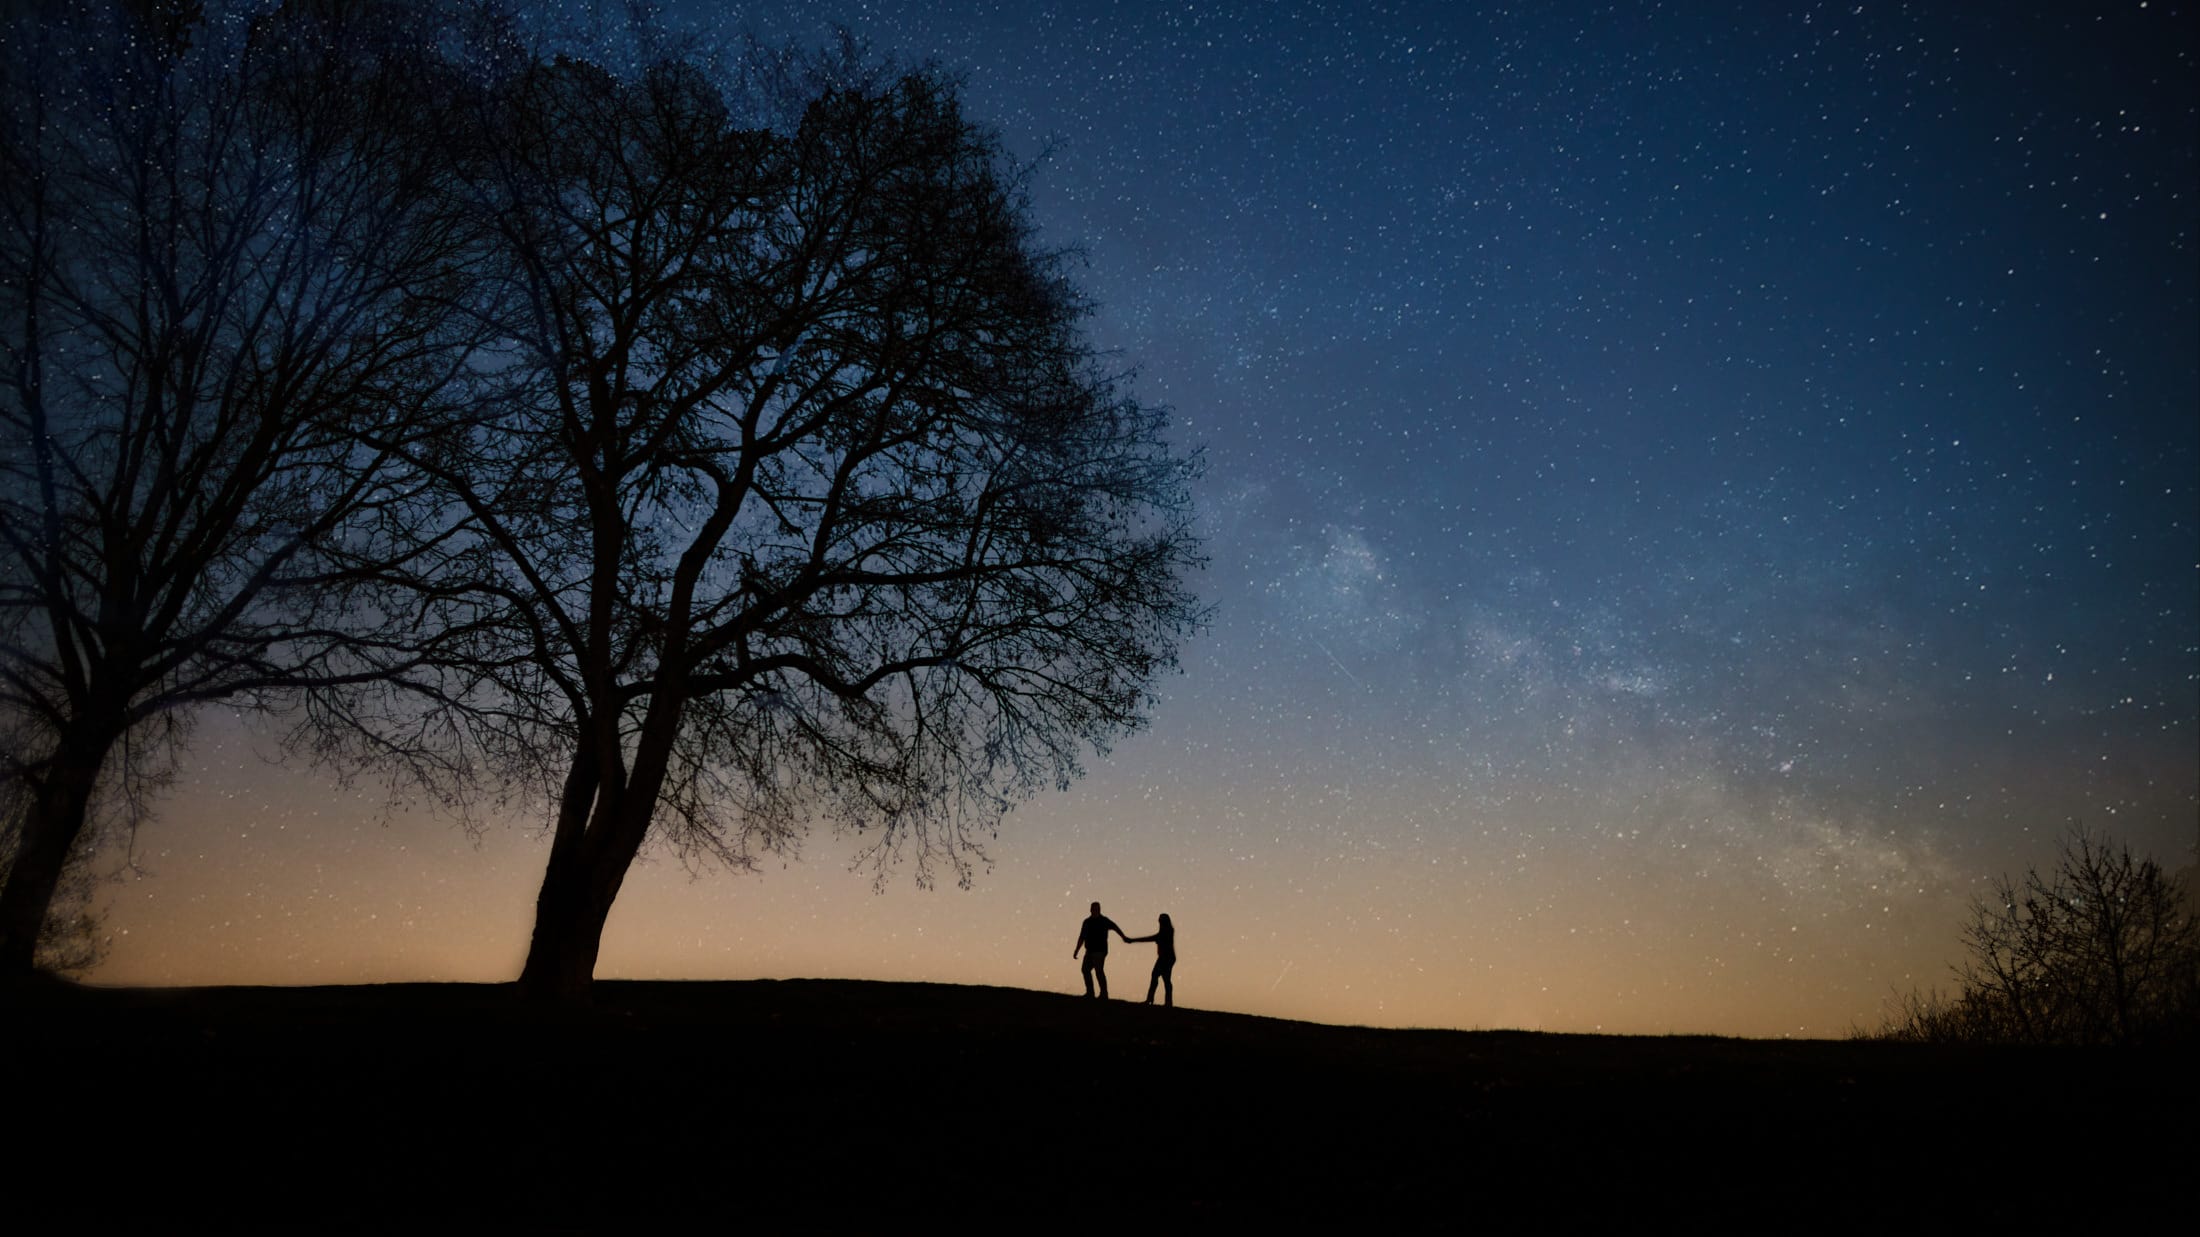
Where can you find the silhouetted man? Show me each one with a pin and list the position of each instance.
(1093, 939)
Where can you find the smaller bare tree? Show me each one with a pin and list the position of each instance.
(2101, 950)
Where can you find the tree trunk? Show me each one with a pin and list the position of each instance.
(578, 889)
(561, 956)
(60, 804)
(587, 867)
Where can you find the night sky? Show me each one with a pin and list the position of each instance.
(1693, 491)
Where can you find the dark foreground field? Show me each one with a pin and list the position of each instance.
(843, 1103)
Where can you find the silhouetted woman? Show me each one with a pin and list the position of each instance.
(1164, 943)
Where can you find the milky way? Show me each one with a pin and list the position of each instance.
(1691, 492)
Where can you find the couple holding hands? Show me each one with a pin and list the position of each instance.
(1092, 939)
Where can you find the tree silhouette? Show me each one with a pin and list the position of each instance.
(801, 493)
(72, 941)
(223, 255)
(2104, 949)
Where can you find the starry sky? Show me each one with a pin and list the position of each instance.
(1694, 490)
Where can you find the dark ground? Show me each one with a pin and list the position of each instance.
(842, 1103)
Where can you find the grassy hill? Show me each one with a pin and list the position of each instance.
(840, 1102)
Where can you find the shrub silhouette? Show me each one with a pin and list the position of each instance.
(2103, 949)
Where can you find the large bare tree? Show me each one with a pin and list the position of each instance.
(226, 265)
(805, 496)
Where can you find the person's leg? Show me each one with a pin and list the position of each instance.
(1152, 980)
(1168, 986)
(1100, 968)
(1088, 975)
